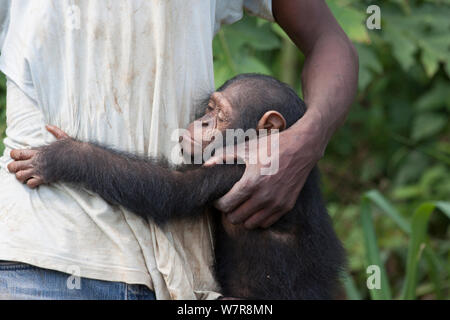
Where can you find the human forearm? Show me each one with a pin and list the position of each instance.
(329, 79)
(330, 72)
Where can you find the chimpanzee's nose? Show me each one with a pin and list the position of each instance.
(205, 123)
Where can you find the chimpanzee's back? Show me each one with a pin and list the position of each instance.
(299, 257)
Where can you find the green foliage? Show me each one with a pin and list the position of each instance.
(416, 229)
(372, 252)
(402, 149)
(396, 139)
(243, 48)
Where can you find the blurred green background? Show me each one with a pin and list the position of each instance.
(386, 172)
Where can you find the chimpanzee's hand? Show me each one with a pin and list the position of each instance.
(26, 162)
(260, 200)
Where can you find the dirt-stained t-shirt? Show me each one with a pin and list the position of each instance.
(126, 74)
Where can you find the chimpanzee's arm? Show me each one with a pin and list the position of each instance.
(147, 187)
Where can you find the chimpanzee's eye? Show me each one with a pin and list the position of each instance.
(221, 116)
(209, 109)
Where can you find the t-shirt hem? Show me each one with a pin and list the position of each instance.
(67, 266)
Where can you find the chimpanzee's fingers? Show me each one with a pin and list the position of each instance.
(16, 166)
(22, 154)
(34, 182)
(24, 175)
(212, 161)
(238, 194)
(57, 132)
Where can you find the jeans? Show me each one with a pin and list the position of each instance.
(20, 281)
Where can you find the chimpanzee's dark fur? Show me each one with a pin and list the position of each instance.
(299, 257)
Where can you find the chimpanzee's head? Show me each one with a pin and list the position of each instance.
(247, 101)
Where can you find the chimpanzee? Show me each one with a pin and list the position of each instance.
(299, 257)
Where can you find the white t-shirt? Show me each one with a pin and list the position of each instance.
(124, 73)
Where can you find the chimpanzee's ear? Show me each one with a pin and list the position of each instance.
(272, 120)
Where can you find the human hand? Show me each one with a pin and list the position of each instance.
(260, 200)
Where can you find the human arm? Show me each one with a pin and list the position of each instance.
(329, 79)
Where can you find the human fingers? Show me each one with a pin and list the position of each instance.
(238, 194)
(271, 220)
(257, 219)
(246, 210)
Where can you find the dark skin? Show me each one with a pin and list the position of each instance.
(329, 78)
(298, 257)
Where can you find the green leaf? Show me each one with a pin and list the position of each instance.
(368, 65)
(425, 28)
(426, 125)
(434, 271)
(407, 192)
(247, 32)
(436, 98)
(248, 64)
(447, 68)
(222, 73)
(430, 62)
(416, 245)
(372, 251)
(350, 287)
(444, 207)
(409, 170)
(403, 47)
(350, 19)
(377, 198)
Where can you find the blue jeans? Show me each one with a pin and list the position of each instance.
(20, 281)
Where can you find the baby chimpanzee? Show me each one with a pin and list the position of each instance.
(299, 257)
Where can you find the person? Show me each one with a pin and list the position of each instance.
(126, 74)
